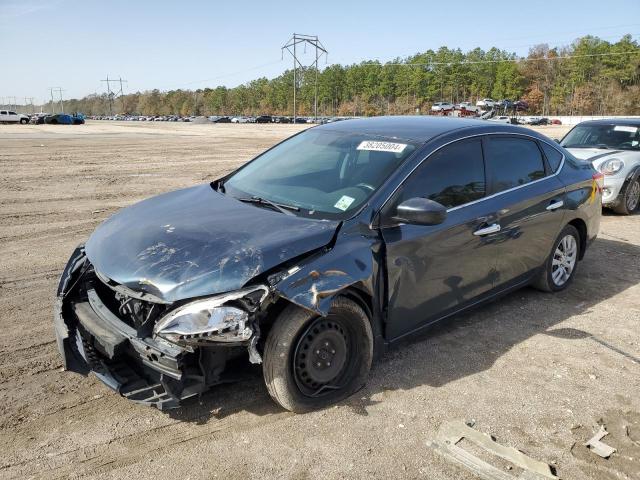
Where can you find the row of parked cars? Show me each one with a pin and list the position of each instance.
(481, 105)
(217, 118)
(8, 116)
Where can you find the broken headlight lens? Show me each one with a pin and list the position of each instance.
(204, 320)
(211, 320)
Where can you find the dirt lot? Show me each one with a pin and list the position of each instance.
(539, 372)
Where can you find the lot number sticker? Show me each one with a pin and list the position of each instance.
(382, 146)
(344, 202)
(622, 128)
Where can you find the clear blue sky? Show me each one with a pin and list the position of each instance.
(175, 44)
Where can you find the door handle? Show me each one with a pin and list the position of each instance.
(493, 228)
(555, 205)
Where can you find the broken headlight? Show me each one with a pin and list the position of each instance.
(209, 320)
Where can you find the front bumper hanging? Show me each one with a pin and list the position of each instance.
(91, 338)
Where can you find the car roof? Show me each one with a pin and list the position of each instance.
(611, 121)
(416, 128)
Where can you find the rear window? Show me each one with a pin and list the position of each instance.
(512, 162)
(554, 157)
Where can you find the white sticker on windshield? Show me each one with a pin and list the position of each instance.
(344, 202)
(382, 146)
(624, 128)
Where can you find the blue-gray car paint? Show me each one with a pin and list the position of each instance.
(198, 242)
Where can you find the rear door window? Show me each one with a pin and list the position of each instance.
(554, 157)
(512, 162)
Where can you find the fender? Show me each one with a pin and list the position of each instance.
(354, 261)
(632, 175)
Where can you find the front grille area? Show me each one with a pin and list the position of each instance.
(139, 314)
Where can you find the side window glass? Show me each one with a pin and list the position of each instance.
(452, 176)
(512, 162)
(554, 157)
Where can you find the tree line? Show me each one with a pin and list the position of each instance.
(589, 77)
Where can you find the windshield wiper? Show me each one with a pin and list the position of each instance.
(281, 207)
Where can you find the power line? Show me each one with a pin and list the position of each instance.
(515, 60)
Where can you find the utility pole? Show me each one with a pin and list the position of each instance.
(59, 90)
(292, 43)
(29, 101)
(111, 94)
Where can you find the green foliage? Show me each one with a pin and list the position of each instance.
(598, 78)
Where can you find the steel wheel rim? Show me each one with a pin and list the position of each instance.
(329, 343)
(633, 196)
(564, 260)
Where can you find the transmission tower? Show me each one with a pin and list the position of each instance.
(29, 101)
(59, 90)
(112, 94)
(291, 47)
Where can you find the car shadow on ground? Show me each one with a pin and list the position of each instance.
(462, 345)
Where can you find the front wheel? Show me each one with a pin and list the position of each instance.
(630, 199)
(560, 268)
(24, 121)
(311, 362)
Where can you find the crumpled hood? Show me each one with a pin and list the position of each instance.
(197, 242)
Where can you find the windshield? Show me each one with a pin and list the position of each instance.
(321, 173)
(620, 137)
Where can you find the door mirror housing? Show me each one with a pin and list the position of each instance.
(420, 211)
(557, 140)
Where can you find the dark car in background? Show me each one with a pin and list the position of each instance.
(318, 254)
(264, 119)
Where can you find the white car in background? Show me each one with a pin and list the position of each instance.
(442, 107)
(8, 116)
(485, 103)
(501, 119)
(613, 148)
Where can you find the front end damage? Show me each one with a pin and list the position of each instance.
(149, 350)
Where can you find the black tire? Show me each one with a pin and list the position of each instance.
(300, 337)
(629, 201)
(545, 280)
(24, 121)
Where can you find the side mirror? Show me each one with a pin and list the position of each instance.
(421, 211)
(557, 140)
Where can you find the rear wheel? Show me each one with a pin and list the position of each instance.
(630, 199)
(311, 362)
(560, 267)
(24, 121)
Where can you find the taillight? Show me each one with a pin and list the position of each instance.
(598, 179)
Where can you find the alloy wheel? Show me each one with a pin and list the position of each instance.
(633, 196)
(564, 260)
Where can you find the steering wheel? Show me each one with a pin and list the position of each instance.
(366, 187)
(625, 145)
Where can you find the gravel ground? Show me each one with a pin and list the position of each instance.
(540, 372)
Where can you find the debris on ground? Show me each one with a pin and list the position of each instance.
(598, 447)
(452, 433)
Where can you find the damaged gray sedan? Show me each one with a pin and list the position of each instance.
(315, 256)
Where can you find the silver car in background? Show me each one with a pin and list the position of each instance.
(613, 147)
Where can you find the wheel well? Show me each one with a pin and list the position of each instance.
(362, 298)
(579, 225)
